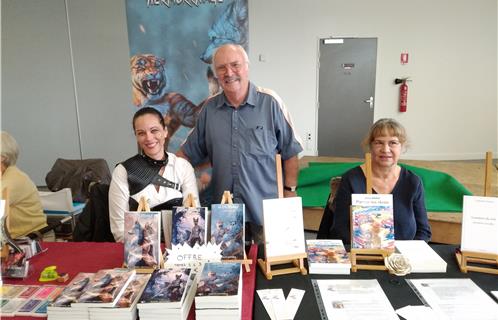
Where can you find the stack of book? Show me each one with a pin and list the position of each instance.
(421, 256)
(60, 308)
(327, 257)
(219, 292)
(126, 307)
(27, 300)
(167, 295)
(102, 289)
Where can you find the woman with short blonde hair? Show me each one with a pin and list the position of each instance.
(25, 208)
(385, 140)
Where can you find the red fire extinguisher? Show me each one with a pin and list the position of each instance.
(403, 93)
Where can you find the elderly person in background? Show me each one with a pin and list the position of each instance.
(385, 141)
(159, 176)
(25, 208)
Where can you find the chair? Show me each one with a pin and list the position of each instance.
(77, 175)
(327, 217)
(93, 223)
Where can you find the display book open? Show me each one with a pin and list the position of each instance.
(168, 295)
(327, 256)
(86, 290)
(27, 300)
(219, 291)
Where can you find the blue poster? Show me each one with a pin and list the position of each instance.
(171, 45)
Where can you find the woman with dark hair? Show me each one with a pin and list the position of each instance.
(385, 141)
(162, 178)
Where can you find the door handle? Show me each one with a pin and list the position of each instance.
(370, 102)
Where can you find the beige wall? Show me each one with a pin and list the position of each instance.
(452, 103)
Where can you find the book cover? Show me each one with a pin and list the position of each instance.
(219, 279)
(106, 287)
(166, 286)
(480, 224)
(189, 226)
(142, 239)
(372, 221)
(227, 229)
(325, 256)
(283, 227)
(133, 291)
(73, 290)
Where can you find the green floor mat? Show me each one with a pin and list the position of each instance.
(443, 193)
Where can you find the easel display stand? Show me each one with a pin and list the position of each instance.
(465, 257)
(227, 199)
(143, 206)
(367, 255)
(370, 255)
(297, 260)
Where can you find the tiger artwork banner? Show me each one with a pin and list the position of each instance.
(171, 45)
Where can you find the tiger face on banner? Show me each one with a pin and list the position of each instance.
(171, 47)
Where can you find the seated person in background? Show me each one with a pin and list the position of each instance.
(385, 141)
(25, 208)
(159, 176)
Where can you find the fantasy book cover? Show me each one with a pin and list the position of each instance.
(142, 239)
(106, 286)
(327, 251)
(219, 279)
(189, 226)
(166, 286)
(133, 291)
(372, 222)
(227, 229)
(73, 290)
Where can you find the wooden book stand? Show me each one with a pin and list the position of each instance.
(465, 257)
(227, 199)
(370, 255)
(295, 259)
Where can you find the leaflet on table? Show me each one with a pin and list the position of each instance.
(480, 224)
(456, 299)
(283, 227)
(277, 306)
(355, 299)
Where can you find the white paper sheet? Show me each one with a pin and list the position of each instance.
(355, 299)
(283, 227)
(293, 302)
(265, 296)
(417, 313)
(456, 299)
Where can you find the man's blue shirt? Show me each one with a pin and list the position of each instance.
(241, 144)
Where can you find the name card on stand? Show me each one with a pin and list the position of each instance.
(284, 236)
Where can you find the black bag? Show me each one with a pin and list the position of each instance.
(77, 175)
(93, 223)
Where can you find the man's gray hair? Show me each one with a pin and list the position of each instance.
(237, 47)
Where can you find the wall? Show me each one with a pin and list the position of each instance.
(452, 104)
(452, 107)
(51, 113)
